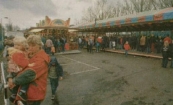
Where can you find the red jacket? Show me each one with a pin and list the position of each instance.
(38, 91)
(20, 59)
(126, 46)
(39, 73)
(17, 62)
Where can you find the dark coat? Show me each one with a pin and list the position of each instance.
(170, 51)
(165, 53)
(58, 67)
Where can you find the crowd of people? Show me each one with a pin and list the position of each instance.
(142, 43)
(53, 44)
(29, 64)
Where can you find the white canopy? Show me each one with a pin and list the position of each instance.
(36, 30)
(72, 30)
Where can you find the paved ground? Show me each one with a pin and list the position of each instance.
(112, 79)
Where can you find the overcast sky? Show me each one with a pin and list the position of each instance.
(26, 13)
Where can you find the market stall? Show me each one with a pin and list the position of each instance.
(154, 20)
(58, 29)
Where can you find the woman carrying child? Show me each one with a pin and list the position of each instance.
(18, 61)
(35, 76)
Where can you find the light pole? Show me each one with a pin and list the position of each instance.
(2, 37)
(1, 34)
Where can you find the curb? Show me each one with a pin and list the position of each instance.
(136, 54)
(69, 52)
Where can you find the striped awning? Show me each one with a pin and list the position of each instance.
(142, 17)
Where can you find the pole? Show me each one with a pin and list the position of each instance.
(1, 32)
(2, 37)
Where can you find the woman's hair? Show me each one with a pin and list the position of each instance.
(20, 40)
(34, 40)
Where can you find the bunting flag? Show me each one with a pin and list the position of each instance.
(47, 21)
(67, 22)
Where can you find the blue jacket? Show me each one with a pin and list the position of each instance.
(59, 69)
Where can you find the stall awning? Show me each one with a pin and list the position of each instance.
(136, 18)
(72, 30)
(36, 30)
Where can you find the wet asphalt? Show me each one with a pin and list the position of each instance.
(113, 79)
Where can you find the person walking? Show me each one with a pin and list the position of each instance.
(97, 46)
(159, 43)
(170, 51)
(148, 44)
(62, 41)
(126, 48)
(55, 74)
(165, 54)
(152, 42)
(142, 43)
(90, 43)
(58, 45)
(48, 45)
(79, 43)
(86, 40)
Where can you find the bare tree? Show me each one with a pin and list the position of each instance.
(165, 3)
(103, 10)
(101, 6)
(96, 12)
(9, 27)
(154, 4)
(126, 8)
(117, 10)
(87, 15)
(139, 5)
(16, 28)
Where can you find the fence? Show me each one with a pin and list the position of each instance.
(3, 86)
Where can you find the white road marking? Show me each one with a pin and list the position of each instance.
(84, 71)
(95, 68)
(69, 64)
(81, 62)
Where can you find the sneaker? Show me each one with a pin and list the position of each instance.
(22, 95)
(53, 97)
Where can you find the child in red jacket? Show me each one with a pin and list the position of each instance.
(126, 48)
(18, 61)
